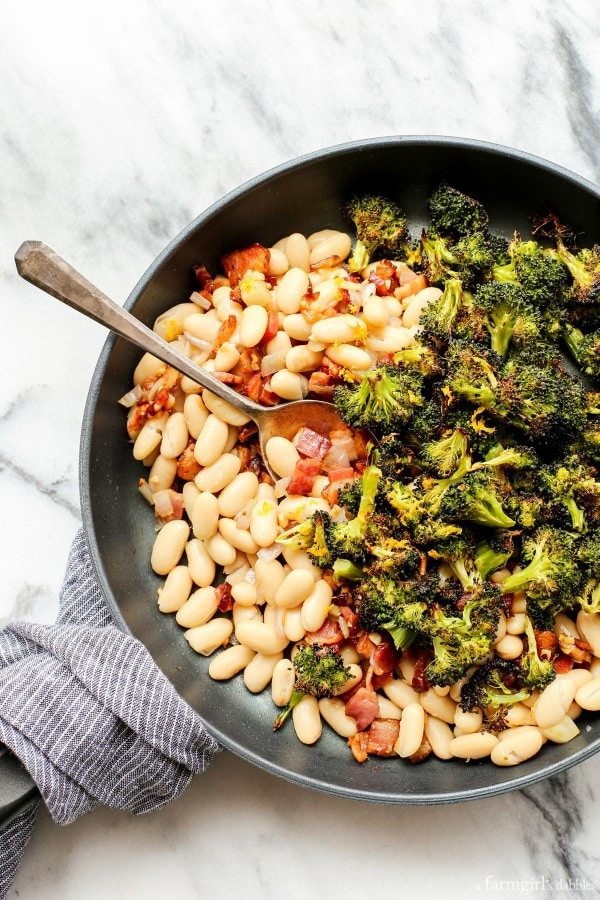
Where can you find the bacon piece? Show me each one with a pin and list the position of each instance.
(320, 383)
(176, 505)
(385, 269)
(244, 455)
(328, 633)
(358, 744)
(419, 679)
(303, 476)
(229, 378)
(187, 467)
(384, 658)
(545, 642)
(224, 333)
(342, 474)
(351, 619)
(253, 387)
(272, 328)
(422, 753)
(266, 396)
(204, 278)
(364, 645)
(310, 443)
(562, 664)
(237, 263)
(247, 431)
(250, 360)
(363, 706)
(383, 734)
(224, 597)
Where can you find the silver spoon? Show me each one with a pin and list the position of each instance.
(44, 268)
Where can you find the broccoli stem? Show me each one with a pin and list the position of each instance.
(293, 701)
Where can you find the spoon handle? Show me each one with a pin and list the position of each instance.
(40, 265)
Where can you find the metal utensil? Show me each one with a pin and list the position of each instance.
(40, 265)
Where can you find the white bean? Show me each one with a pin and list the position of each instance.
(190, 495)
(229, 662)
(230, 308)
(516, 624)
(336, 329)
(205, 639)
(296, 326)
(281, 343)
(515, 748)
(260, 637)
(294, 589)
(578, 676)
(588, 695)
(316, 606)
(307, 720)
(334, 713)
(205, 515)
(289, 385)
(220, 550)
(263, 522)
(297, 508)
(211, 441)
(468, 722)
(473, 746)
(168, 546)
(282, 683)
(387, 709)
(195, 413)
(417, 304)
(509, 647)
(234, 498)
(399, 692)
(200, 563)
(255, 291)
(278, 262)
(175, 436)
(519, 603)
(148, 367)
(259, 672)
(282, 456)
(561, 733)
(302, 359)
(439, 734)
(227, 357)
(554, 702)
(338, 244)
(589, 628)
(199, 608)
(564, 626)
(244, 593)
(412, 726)
(518, 714)
(269, 575)
(376, 313)
(241, 614)
(224, 410)
(240, 538)
(299, 559)
(202, 325)
(349, 356)
(290, 290)
(253, 325)
(293, 628)
(150, 436)
(218, 475)
(175, 590)
(441, 707)
(297, 251)
(162, 474)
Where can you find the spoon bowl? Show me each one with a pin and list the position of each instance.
(44, 268)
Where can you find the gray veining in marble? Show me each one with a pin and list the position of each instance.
(119, 122)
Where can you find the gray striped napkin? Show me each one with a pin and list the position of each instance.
(90, 715)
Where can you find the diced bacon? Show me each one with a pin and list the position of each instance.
(303, 476)
(422, 753)
(363, 706)
(237, 263)
(364, 645)
(383, 734)
(204, 278)
(176, 507)
(384, 658)
(545, 642)
(381, 288)
(247, 431)
(328, 633)
(351, 618)
(358, 744)
(310, 443)
(338, 475)
(229, 378)
(385, 269)
(187, 467)
(224, 333)
(562, 664)
(266, 397)
(419, 679)
(253, 387)
(224, 597)
(244, 455)
(320, 383)
(272, 328)
(250, 360)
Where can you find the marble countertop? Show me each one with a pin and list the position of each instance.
(121, 122)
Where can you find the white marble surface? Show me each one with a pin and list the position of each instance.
(118, 123)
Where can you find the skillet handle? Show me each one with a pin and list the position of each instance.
(17, 789)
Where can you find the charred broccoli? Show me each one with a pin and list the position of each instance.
(381, 229)
(320, 671)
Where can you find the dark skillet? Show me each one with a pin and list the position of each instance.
(304, 195)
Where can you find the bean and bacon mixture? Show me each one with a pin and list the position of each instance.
(422, 579)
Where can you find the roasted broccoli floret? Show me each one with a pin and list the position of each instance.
(397, 556)
(438, 318)
(475, 499)
(537, 672)
(382, 401)
(455, 213)
(541, 277)
(585, 349)
(349, 496)
(477, 253)
(348, 539)
(458, 551)
(320, 671)
(420, 358)
(589, 597)
(346, 569)
(312, 535)
(381, 599)
(381, 229)
(571, 486)
(509, 317)
(583, 266)
(489, 559)
(551, 577)
(425, 424)
(472, 375)
(446, 454)
(497, 683)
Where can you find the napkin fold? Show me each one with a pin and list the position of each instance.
(90, 715)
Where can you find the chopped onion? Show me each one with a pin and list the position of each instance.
(250, 576)
(131, 397)
(337, 458)
(163, 506)
(269, 553)
(280, 487)
(197, 342)
(242, 521)
(144, 489)
(199, 300)
(377, 345)
(273, 362)
(338, 513)
(344, 628)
